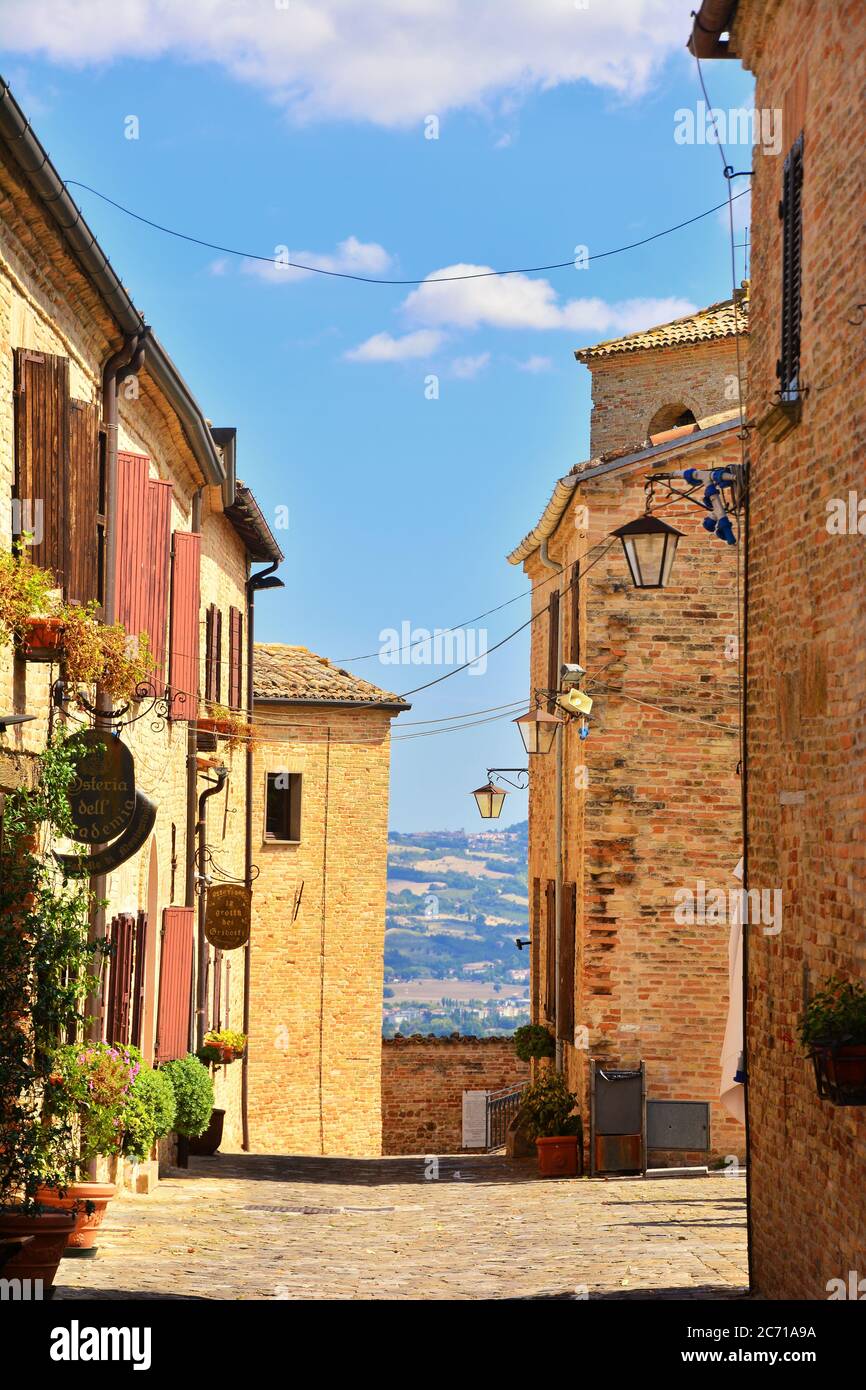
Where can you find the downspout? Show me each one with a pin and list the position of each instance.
(263, 579)
(119, 365)
(216, 785)
(545, 559)
(191, 784)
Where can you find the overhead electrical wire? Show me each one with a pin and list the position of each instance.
(379, 280)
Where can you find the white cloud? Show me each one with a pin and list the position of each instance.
(468, 367)
(219, 266)
(382, 347)
(536, 363)
(352, 256)
(386, 61)
(519, 302)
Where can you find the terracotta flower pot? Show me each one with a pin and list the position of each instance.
(91, 1199)
(848, 1066)
(207, 1144)
(558, 1156)
(41, 1256)
(43, 637)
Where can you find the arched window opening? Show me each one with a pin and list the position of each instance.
(671, 417)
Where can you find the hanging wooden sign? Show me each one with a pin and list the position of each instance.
(227, 915)
(110, 857)
(102, 792)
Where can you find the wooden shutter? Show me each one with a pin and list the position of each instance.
(567, 934)
(175, 983)
(142, 552)
(535, 929)
(82, 562)
(550, 951)
(213, 653)
(217, 984)
(119, 1002)
(41, 450)
(138, 979)
(575, 614)
(183, 661)
(236, 637)
(791, 213)
(218, 655)
(553, 647)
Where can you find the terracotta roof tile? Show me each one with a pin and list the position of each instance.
(716, 321)
(281, 672)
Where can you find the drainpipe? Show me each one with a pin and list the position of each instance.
(713, 19)
(544, 556)
(191, 784)
(119, 365)
(216, 785)
(263, 579)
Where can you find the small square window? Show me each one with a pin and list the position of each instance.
(283, 806)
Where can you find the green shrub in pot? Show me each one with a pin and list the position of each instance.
(534, 1040)
(193, 1094)
(836, 1014)
(549, 1108)
(148, 1114)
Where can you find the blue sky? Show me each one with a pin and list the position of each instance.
(401, 508)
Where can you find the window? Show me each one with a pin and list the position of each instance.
(213, 674)
(791, 215)
(670, 417)
(553, 648)
(283, 806)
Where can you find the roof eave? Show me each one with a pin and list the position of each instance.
(49, 190)
(396, 705)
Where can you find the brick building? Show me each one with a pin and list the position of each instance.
(423, 1080)
(93, 409)
(320, 819)
(806, 668)
(650, 801)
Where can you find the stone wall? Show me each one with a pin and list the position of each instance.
(807, 647)
(423, 1080)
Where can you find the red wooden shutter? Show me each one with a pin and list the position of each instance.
(41, 450)
(175, 983)
(138, 980)
(218, 656)
(550, 951)
(535, 929)
(143, 538)
(567, 932)
(120, 981)
(236, 637)
(82, 504)
(184, 642)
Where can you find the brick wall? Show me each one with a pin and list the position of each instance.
(807, 647)
(317, 976)
(423, 1080)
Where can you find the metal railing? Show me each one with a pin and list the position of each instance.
(501, 1108)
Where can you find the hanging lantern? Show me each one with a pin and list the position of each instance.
(490, 800)
(650, 546)
(538, 729)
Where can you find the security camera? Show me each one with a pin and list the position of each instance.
(571, 674)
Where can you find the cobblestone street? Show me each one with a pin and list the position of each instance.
(257, 1227)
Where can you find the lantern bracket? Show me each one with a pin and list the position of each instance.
(521, 773)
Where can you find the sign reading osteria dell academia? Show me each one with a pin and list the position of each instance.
(227, 917)
(102, 791)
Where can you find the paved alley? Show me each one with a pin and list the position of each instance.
(248, 1226)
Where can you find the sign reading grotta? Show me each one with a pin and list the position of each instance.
(102, 791)
(227, 918)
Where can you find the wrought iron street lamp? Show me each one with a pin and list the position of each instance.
(491, 798)
(538, 730)
(650, 546)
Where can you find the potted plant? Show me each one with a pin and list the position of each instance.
(217, 720)
(96, 653)
(194, 1107)
(149, 1113)
(833, 1031)
(46, 971)
(28, 598)
(533, 1040)
(88, 1091)
(222, 1046)
(550, 1111)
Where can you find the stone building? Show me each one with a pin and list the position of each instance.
(806, 621)
(99, 433)
(650, 800)
(320, 821)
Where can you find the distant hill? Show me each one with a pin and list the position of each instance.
(456, 902)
